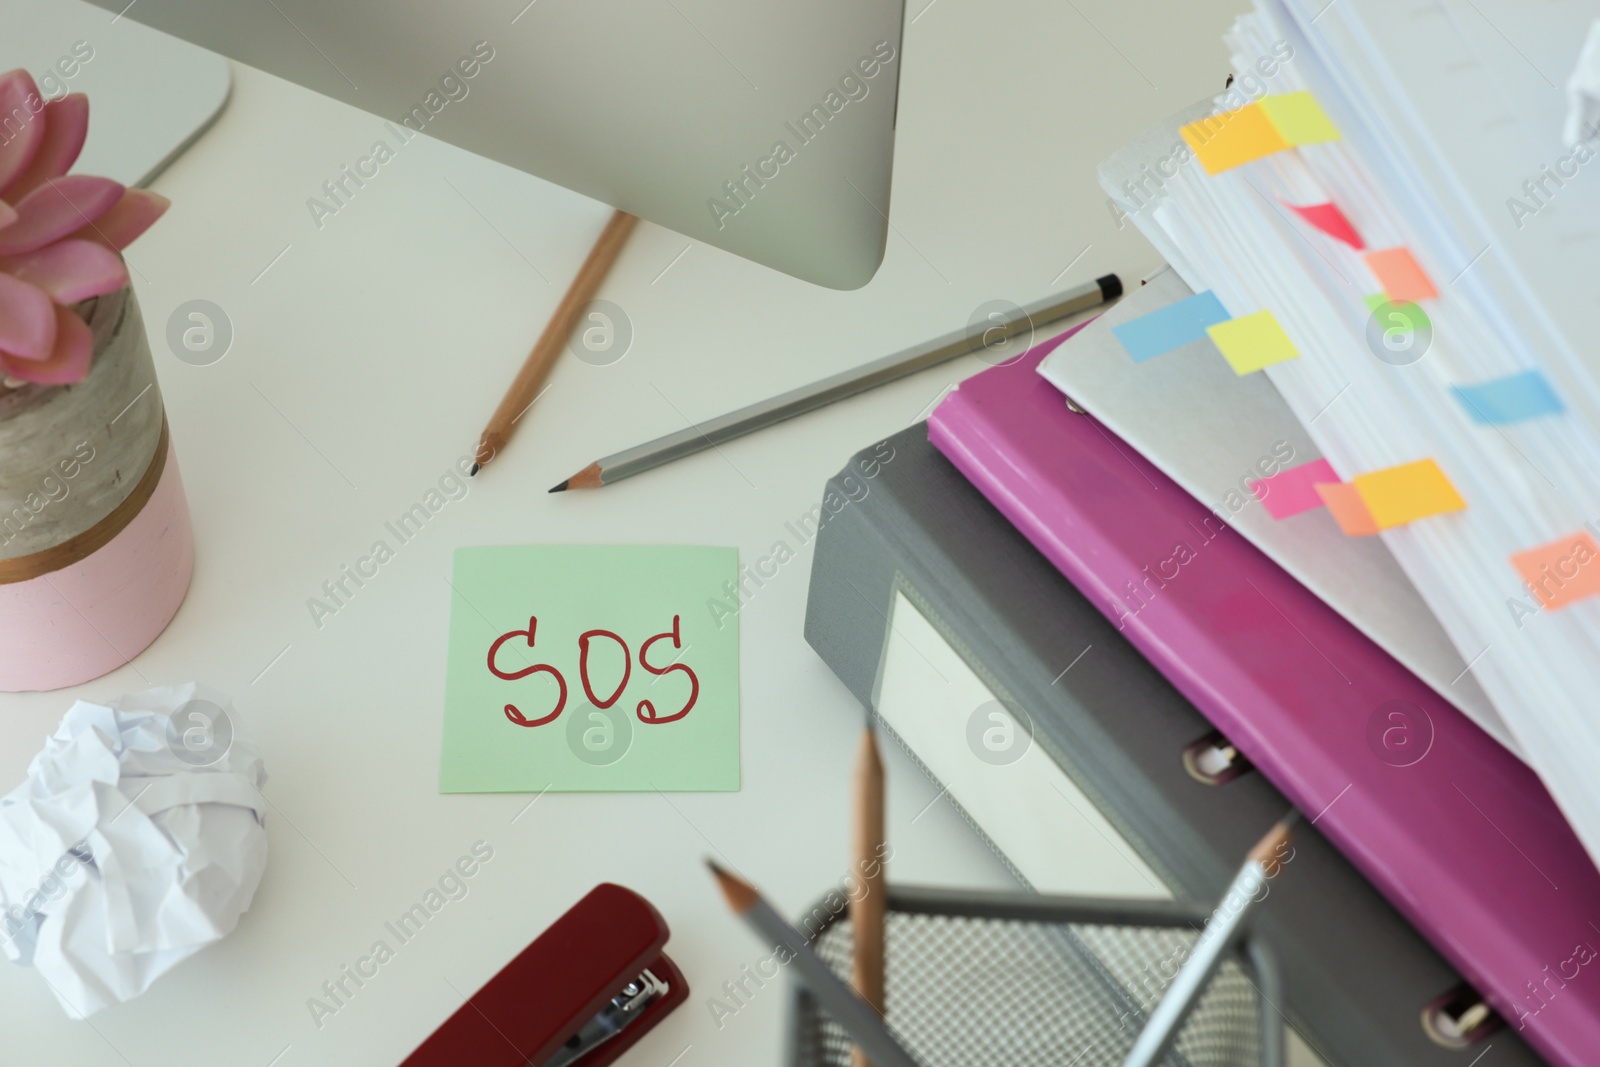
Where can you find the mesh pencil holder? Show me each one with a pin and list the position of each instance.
(1017, 980)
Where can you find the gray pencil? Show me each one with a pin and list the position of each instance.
(1220, 934)
(806, 398)
(857, 1017)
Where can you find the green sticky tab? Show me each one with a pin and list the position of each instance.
(1299, 119)
(1402, 315)
(589, 668)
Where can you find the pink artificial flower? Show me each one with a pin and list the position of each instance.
(61, 235)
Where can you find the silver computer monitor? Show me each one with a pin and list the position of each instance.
(764, 127)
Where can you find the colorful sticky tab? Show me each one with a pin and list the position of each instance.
(1222, 142)
(1411, 316)
(1411, 491)
(1173, 326)
(1510, 399)
(1331, 221)
(1294, 490)
(1401, 276)
(1252, 342)
(1561, 571)
(1299, 119)
(1399, 325)
(1344, 503)
(1271, 124)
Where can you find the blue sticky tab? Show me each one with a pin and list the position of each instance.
(1173, 326)
(1510, 399)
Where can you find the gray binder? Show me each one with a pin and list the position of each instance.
(1359, 979)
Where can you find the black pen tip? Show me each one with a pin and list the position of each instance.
(475, 469)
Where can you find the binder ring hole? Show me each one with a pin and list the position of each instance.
(1459, 1018)
(1213, 760)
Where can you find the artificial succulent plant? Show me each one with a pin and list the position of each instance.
(61, 235)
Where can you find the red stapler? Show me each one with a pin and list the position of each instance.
(583, 993)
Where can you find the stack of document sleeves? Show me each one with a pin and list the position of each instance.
(1385, 206)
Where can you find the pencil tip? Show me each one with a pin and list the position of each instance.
(562, 488)
(591, 477)
(741, 896)
(1276, 838)
(475, 469)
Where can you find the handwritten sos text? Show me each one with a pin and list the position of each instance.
(646, 711)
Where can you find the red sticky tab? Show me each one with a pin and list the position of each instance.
(1331, 221)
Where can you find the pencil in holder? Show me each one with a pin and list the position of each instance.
(1015, 980)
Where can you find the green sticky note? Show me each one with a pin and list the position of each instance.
(586, 668)
(1252, 342)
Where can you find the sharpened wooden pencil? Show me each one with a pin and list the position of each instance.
(536, 368)
(1160, 1031)
(836, 998)
(869, 908)
(760, 415)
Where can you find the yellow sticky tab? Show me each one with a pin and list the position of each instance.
(1397, 495)
(1222, 142)
(1299, 119)
(1252, 342)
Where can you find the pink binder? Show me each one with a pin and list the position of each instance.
(1457, 833)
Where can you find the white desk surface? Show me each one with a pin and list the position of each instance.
(366, 357)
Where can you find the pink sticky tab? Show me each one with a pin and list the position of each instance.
(1295, 490)
(1331, 221)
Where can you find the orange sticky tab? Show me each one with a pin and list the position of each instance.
(1561, 571)
(1411, 491)
(1222, 142)
(1401, 276)
(1347, 508)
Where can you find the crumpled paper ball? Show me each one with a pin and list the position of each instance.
(137, 840)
